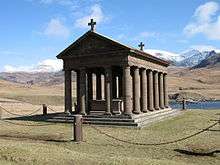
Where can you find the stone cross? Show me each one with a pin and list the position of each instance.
(141, 45)
(92, 24)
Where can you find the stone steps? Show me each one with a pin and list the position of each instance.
(158, 118)
(136, 120)
(116, 120)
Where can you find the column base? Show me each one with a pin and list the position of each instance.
(136, 112)
(107, 114)
(145, 111)
(82, 113)
(157, 108)
(151, 109)
(127, 114)
(68, 112)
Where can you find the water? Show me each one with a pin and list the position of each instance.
(199, 105)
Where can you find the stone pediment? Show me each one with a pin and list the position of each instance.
(92, 43)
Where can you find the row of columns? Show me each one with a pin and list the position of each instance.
(147, 91)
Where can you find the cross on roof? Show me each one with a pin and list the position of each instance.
(92, 24)
(141, 45)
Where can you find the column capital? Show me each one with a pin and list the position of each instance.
(142, 68)
(126, 66)
(155, 71)
(82, 69)
(135, 67)
(67, 70)
(108, 73)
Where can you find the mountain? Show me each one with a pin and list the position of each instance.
(169, 56)
(188, 58)
(209, 62)
(39, 78)
(194, 57)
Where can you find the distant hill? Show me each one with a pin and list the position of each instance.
(209, 62)
(39, 78)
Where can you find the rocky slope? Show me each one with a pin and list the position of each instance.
(189, 58)
(210, 62)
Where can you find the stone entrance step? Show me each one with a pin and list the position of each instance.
(135, 120)
(114, 120)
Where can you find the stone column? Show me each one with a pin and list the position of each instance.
(108, 90)
(68, 91)
(78, 90)
(82, 92)
(98, 86)
(166, 99)
(127, 90)
(137, 88)
(156, 91)
(144, 90)
(90, 86)
(161, 91)
(120, 86)
(90, 90)
(114, 87)
(150, 90)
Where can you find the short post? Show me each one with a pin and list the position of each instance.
(0, 113)
(183, 104)
(44, 109)
(77, 128)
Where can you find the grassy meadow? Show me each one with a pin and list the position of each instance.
(52, 144)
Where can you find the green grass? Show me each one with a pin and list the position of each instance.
(40, 145)
(55, 100)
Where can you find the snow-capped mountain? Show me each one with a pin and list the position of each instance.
(169, 56)
(187, 58)
(194, 57)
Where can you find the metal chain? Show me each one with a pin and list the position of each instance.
(52, 109)
(20, 114)
(26, 125)
(153, 144)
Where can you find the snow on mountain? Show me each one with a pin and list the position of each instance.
(169, 56)
(48, 65)
(194, 57)
(188, 58)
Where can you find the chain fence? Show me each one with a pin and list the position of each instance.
(21, 115)
(15, 114)
(152, 144)
(99, 130)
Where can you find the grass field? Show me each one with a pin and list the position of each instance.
(51, 144)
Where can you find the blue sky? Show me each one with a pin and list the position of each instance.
(33, 32)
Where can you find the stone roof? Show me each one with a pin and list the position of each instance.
(119, 45)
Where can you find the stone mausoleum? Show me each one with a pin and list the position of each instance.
(114, 81)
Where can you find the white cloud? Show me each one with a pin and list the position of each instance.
(95, 13)
(205, 48)
(48, 65)
(56, 28)
(206, 21)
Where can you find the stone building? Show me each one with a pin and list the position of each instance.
(134, 83)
